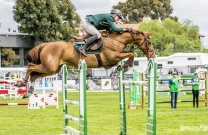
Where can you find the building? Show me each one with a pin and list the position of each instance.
(19, 42)
(186, 62)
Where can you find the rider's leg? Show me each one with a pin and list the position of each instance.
(90, 29)
(90, 40)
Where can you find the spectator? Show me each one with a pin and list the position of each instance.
(60, 76)
(115, 84)
(180, 73)
(116, 73)
(170, 73)
(195, 89)
(76, 81)
(112, 75)
(176, 71)
(173, 85)
(89, 75)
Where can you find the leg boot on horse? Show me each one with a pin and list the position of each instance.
(90, 40)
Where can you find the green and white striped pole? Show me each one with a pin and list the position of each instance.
(82, 97)
(82, 120)
(122, 105)
(151, 113)
(64, 94)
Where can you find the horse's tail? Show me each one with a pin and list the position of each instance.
(33, 56)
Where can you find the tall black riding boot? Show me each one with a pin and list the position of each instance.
(90, 40)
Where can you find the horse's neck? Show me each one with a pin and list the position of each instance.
(118, 37)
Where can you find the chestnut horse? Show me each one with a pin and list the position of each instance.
(47, 58)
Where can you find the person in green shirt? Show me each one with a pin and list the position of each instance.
(92, 23)
(173, 85)
(195, 89)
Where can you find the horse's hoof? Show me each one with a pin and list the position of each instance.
(126, 69)
(119, 68)
(23, 84)
(131, 65)
(27, 95)
(18, 85)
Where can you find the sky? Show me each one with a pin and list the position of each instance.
(194, 10)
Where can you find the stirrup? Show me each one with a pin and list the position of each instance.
(82, 50)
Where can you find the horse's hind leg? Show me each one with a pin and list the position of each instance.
(40, 69)
(28, 71)
(24, 83)
(34, 77)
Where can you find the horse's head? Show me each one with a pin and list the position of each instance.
(142, 40)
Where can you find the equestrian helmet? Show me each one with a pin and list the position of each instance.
(117, 12)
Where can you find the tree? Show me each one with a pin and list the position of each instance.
(46, 19)
(37, 17)
(169, 32)
(70, 19)
(156, 9)
(9, 57)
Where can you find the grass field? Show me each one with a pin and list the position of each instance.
(103, 117)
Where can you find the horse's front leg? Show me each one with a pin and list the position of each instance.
(130, 50)
(129, 62)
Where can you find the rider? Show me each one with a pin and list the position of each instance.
(92, 23)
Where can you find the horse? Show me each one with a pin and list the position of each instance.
(47, 58)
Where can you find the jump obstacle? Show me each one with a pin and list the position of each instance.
(48, 83)
(135, 91)
(151, 83)
(82, 120)
(35, 100)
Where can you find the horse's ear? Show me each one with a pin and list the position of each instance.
(148, 33)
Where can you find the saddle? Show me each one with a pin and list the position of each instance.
(81, 41)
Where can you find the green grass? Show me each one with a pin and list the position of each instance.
(103, 117)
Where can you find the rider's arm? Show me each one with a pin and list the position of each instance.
(109, 19)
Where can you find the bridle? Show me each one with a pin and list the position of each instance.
(137, 43)
(144, 41)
